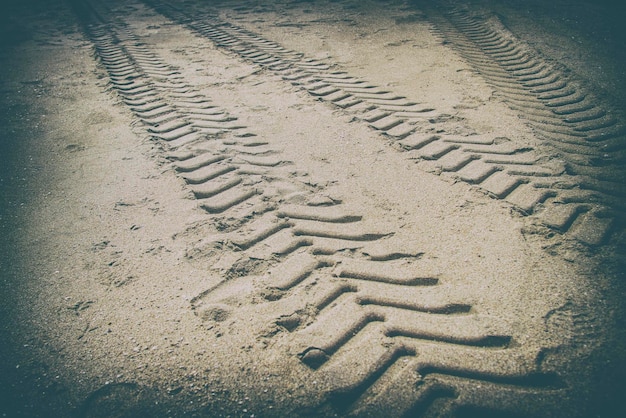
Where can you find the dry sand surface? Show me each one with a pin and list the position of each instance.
(311, 208)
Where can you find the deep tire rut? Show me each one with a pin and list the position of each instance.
(434, 354)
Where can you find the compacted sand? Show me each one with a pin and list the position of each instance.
(311, 208)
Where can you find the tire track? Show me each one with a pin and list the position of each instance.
(233, 174)
(222, 174)
(428, 338)
(567, 193)
(569, 118)
(589, 135)
(319, 274)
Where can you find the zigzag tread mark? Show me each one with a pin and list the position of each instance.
(403, 371)
(568, 114)
(407, 389)
(337, 344)
(174, 111)
(294, 264)
(537, 86)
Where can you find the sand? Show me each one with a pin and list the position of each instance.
(373, 224)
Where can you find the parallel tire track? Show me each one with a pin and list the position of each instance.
(225, 172)
(573, 193)
(358, 283)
